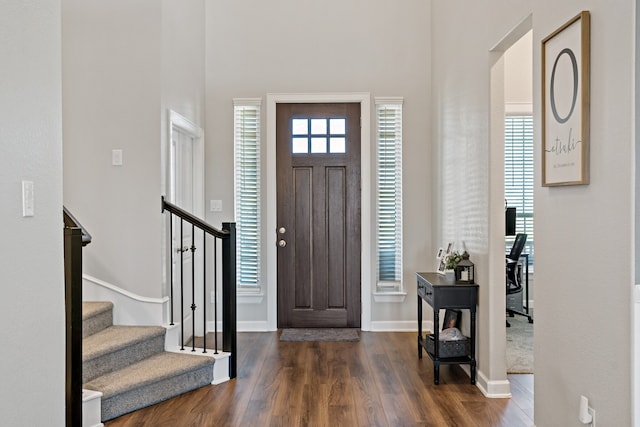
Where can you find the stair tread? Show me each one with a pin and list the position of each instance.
(93, 308)
(151, 370)
(117, 337)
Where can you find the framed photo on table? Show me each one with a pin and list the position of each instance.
(565, 103)
(449, 249)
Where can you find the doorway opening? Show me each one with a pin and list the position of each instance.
(519, 204)
(510, 96)
(186, 189)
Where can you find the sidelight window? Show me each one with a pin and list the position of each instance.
(389, 193)
(247, 191)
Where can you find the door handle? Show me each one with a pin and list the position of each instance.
(182, 249)
(282, 243)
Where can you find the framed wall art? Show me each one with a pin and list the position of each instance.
(565, 103)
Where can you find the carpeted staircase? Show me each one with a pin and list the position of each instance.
(129, 364)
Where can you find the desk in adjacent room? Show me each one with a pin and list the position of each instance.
(439, 293)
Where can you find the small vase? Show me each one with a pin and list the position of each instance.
(450, 275)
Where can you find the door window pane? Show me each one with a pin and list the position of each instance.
(300, 126)
(318, 145)
(337, 145)
(300, 145)
(318, 126)
(337, 126)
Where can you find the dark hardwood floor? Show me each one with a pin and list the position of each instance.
(378, 381)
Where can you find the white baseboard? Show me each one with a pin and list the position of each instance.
(400, 326)
(244, 326)
(496, 389)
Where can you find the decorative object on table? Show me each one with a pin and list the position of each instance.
(449, 249)
(451, 318)
(451, 261)
(565, 101)
(465, 270)
(440, 261)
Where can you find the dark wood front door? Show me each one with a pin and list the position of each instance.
(318, 192)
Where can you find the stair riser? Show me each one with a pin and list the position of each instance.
(94, 368)
(150, 394)
(97, 323)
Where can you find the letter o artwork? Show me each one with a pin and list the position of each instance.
(552, 100)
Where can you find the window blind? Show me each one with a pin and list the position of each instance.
(389, 197)
(518, 174)
(247, 191)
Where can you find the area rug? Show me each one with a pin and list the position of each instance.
(319, 334)
(519, 346)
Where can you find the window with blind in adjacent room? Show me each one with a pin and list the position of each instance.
(518, 176)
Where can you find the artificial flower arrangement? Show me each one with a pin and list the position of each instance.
(452, 260)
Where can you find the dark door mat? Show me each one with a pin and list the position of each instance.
(319, 334)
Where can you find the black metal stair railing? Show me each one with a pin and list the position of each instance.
(75, 238)
(226, 239)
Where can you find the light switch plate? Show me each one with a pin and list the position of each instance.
(116, 157)
(216, 205)
(27, 199)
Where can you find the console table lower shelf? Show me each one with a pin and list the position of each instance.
(449, 353)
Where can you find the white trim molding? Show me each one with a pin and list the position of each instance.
(400, 326)
(496, 389)
(364, 98)
(128, 308)
(392, 297)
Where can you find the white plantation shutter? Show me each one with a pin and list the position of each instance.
(247, 191)
(518, 175)
(389, 198)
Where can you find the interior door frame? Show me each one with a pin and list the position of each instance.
(364, 99)
(176, 121)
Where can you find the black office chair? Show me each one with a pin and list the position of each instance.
(513, 270)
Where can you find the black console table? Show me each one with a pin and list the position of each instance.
(440, 293)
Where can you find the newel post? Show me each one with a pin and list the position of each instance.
(73, 315)
(229, 315)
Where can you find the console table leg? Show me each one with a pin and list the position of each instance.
(473, 372)
(436, 372)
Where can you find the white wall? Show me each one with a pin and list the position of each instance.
(580, 222)
(124, 64)
(583, 266)
(287, 46)
(518, 78)
(31, 252)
